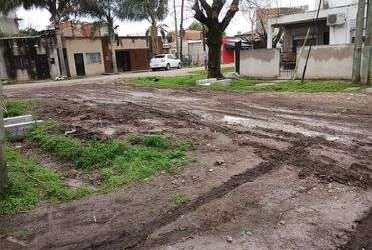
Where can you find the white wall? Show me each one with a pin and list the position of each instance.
(9, 24)
(328, 62)
(262, 63)
(3, 73)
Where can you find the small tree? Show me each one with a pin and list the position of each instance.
(154, 11)
(209, 16)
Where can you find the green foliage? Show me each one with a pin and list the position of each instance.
(119, 163)
(156, 141)
(198, 26)
(245, 84)
(17, 108)
(30, 183)
(180, 199)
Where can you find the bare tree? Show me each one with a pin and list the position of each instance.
(209, 16)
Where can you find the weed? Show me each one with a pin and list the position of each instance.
(180, 199)
(119, 163)
(17, 108)
(30, 183)
(23, 234)
(156, 141)
(246, 84)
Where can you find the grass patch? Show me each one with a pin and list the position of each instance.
(180, 199)
(120, 163)
(247, 85)
(30, 183)
(17, 108)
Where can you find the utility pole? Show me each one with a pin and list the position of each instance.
(3, 167)
(204, 48)
(358, 46)
(182, 32)
(176, 28)
(367, 55)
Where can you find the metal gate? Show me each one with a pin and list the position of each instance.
(287, 64)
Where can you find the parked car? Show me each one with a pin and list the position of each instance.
(165, 61)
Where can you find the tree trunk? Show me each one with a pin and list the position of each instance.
(154, 38)
(62, 64)
(214, 42)
(113, 56)
(3, 167)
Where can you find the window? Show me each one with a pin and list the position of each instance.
(93, 58)
(160, 56)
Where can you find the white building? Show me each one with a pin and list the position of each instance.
(9, 24)
(336, 25)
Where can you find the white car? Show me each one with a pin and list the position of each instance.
(165, 61)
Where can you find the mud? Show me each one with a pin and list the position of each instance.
(296, 173)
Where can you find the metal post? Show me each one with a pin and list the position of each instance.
(181, 29)
(358, 46)
(176, 28)
(3, 166)
(238, 46)
(311, 45)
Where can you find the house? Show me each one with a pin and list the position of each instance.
(336, 25)
(28, 57)
(132, 53)
(257, 37)
(332, 37)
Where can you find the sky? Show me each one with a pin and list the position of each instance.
(39, 19)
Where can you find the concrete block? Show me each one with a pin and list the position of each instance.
(17, 119)
(223, 82)
(17, 127)
(206, 82)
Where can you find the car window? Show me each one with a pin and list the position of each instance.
(159, 56)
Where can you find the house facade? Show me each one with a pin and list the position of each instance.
(132, 53)
(336, 25)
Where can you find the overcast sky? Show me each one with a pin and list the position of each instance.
(39, 19)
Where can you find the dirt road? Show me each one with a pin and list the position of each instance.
(271, 171)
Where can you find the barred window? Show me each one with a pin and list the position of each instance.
(93, 58)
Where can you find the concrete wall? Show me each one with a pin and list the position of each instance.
(196, 52)
(9, 24)
(263, 63)
(328, 62)
(3, 73)
(84, 45)
(134, 42)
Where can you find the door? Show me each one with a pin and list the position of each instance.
(123, 60)
(79, 64)
(42, 67)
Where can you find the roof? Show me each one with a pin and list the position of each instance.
(308, 16)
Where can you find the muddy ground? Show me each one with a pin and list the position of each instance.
(271, 171)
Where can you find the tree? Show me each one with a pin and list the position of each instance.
(106, 11)
(154, 11)
(58, 9)
(209, 16)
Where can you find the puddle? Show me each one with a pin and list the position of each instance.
(275, 125)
